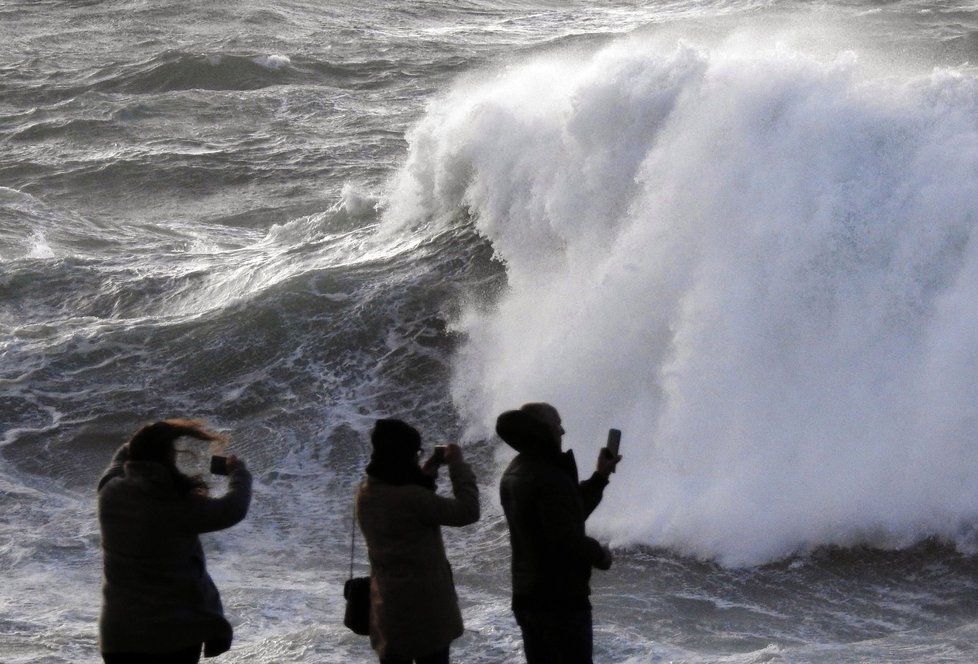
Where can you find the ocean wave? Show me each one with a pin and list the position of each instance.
(176, 70)
(319, 312)
(754, 262)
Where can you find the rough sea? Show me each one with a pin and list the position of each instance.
(745, 232)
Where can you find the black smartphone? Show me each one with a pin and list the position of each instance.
(219, 465)
(614, 441)
(438, 455)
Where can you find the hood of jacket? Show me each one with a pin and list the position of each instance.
(526, 434)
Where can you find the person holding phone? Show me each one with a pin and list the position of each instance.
(414, 613)
(159, 605)
(545, 507)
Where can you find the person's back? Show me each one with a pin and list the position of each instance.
(157, 598)
(145, 552)
(398, 517)
(545, 516)
(414, 608)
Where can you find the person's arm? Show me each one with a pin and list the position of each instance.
(592, 489)
(116, 466)
(461, 510)
(204, 514)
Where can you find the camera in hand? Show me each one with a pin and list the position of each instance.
(438, 456)
(614, 442)
(219, 465)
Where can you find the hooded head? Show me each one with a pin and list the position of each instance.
(395, 457)
(535, 428)
(395, 440)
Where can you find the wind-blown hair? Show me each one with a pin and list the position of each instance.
(155, 442)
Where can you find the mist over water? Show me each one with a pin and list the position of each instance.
(757, 262)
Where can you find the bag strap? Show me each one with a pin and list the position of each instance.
(353, 532)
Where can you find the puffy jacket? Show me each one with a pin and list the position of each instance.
(157, 595)
(545, 509)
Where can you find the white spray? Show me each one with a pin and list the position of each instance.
(761, 266)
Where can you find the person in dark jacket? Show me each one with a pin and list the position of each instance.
(545, 509)
(159, 605)
(414, 613)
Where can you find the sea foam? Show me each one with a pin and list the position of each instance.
(760, 265)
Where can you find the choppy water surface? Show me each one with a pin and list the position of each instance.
(743, 232)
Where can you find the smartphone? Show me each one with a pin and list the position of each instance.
(438, 456)
(614, 441)
(219, 465)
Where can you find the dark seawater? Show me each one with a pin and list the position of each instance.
(742, 232)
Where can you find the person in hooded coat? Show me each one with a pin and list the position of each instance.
(545, 507)
(414, 613)
(159, 605)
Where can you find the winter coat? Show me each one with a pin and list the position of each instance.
(545, 509)
(157, 595)
(413, 606)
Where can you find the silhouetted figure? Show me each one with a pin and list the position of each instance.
(158, 603)
(414, 614)
(545, 509)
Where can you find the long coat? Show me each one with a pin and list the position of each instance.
(413, 606)
(156, 593)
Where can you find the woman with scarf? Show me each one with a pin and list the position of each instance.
(414, 614)
(159, 605)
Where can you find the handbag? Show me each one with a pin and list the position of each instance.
(356, 592)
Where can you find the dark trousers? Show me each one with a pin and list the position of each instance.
(435, 658)
(556, 637)
(189, 655)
